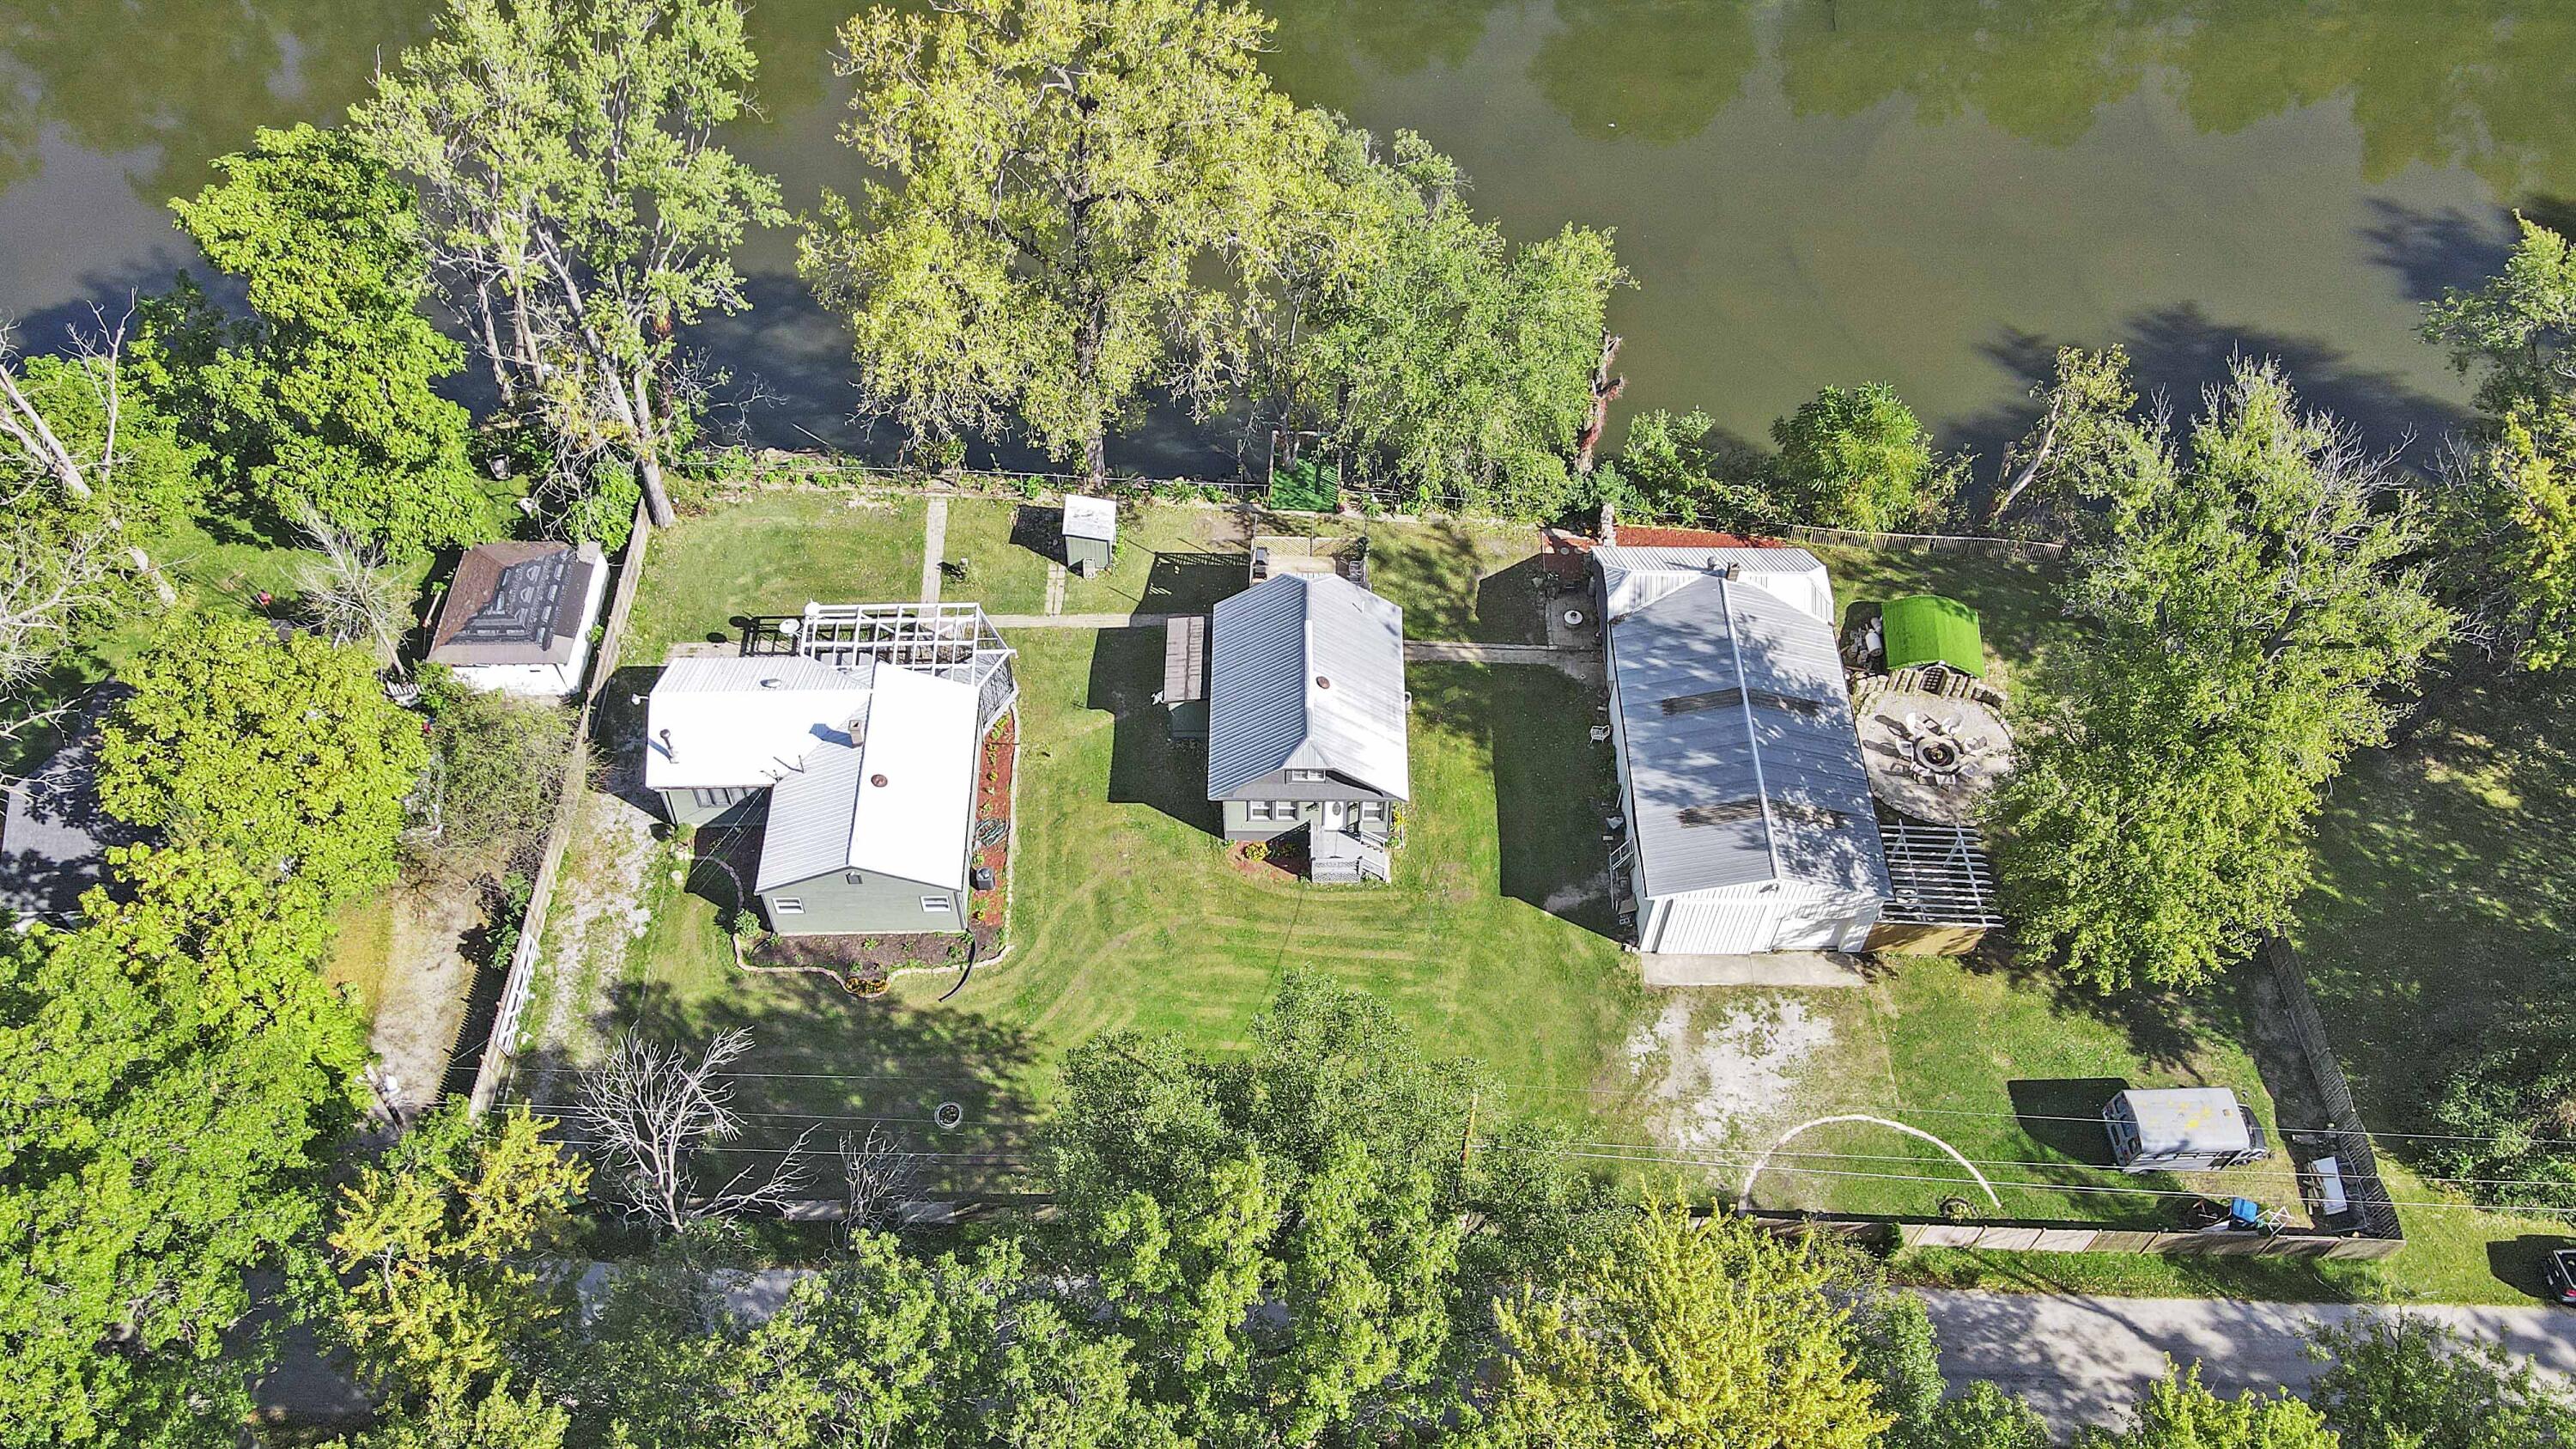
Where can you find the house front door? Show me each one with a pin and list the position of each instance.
(1337, 815)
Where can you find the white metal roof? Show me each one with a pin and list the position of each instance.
(900, 802)
(2187, 1119)
(1306, 672)
(1088, 517)
(1737, 746)
(742, 722)
(1633, 578)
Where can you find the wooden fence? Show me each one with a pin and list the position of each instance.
(1991, 547)
(501, 1049)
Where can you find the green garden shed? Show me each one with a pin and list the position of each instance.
(1929, 629)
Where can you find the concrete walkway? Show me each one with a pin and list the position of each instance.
(1079, 621)
(1772, 968)
(2083, 1360)
(934, 543)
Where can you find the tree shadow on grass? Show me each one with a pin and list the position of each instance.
(1146, 765)
(1039, 529)
(826, 1062)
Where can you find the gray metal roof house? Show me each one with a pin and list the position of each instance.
(1307, 719)
(1749, 815)
(54, 836)
(516, 616)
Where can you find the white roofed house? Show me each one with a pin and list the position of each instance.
(1750, 823)
(1307, 719)
(857, 754)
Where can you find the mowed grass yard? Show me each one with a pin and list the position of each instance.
(2443, 908)
(1129, 913)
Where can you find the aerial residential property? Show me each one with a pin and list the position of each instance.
(850, 740)
(516, 617)
(1306, 719)
(1749, 820)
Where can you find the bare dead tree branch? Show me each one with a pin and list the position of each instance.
(346, 592)
(878, 1177)
(652, 1113)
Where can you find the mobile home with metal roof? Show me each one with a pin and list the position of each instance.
(1750, 826)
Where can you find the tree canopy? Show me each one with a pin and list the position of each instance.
(1058, 178)
(326, 397)
(581, 213)
(2250, 615)
(284, 754)
(1857, 458)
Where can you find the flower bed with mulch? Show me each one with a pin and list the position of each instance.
(866, 958)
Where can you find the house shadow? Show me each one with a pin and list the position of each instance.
(1192, 583)
(1551, 781)
(2064, 1114)
(1146, 765)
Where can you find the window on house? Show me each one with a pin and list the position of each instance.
(1308, 776)
(1256, 810)
(937, 905)
(717, 799)
(788, 906)
(1372, 810)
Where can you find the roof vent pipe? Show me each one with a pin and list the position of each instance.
(669, 750)
(1735, 570)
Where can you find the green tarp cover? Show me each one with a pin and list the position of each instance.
(1927, 627)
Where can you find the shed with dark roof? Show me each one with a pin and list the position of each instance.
(517, 616)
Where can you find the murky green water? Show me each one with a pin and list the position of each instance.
(1929, 192)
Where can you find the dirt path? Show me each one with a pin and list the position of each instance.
(427, 982)
(597, 911)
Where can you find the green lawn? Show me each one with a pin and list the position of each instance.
(773, 553)
(1171, 558)
(2443, 907)
(1460, 580)
(1129, 913)
(2015, 599)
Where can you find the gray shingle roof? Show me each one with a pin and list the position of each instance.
(1742, 761)
(515, 603)
(1306, 671)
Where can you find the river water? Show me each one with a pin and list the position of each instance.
(1931, 193)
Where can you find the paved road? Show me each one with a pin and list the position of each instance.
(2083, 1360)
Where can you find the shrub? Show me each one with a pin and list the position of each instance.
(1256, 851)
(1858, 458)
(499, 761)
(2511, 1110)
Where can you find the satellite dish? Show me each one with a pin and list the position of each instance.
(790, 627)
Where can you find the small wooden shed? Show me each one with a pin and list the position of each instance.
(1090, 533)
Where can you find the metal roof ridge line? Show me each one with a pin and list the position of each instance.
(1752, 729)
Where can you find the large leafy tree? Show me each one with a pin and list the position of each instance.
(2509, 507)
(1056, 184)
(1685, 1333)
(2178, 1413)
(2248, 619)
(581, 212)
(326, 398)
(283, 753)
(1386, 314)
(164, 1073)
(1672, 467)
(435, 1288)
(2078, 449)
(1858, 458)
(880, 1348)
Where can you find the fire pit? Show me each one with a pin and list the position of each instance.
(1931, 757)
